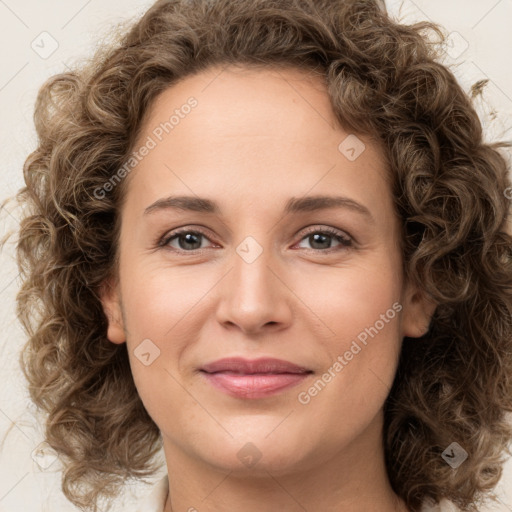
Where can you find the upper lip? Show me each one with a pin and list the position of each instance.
(250, 366)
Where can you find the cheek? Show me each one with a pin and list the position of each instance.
(359, 309)
(163, 313)
(160, 298)
(348, 299)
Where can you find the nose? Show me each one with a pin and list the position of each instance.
(254, 295)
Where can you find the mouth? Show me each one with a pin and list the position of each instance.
(252, 379)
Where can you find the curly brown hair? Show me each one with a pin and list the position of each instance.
(385, 80)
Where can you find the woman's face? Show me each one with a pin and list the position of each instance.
(289, 249)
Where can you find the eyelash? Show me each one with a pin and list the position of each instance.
(346, 242)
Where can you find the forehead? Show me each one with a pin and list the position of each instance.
(251, 131)
(243, 101)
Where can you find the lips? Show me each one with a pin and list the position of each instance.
(249, 367)
(259, 378)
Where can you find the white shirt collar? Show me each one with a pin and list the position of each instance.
(155, 500)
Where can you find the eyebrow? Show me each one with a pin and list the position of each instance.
(294, 205)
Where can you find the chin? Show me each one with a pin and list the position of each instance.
(256, 455)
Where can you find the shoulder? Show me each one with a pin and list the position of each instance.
(155, 500)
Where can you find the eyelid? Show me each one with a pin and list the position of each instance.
(345, 240)
(169, 235)
(319, 228)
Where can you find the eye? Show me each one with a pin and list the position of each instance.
(321, 239)
(186, 240)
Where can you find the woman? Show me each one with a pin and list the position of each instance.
(268, 238)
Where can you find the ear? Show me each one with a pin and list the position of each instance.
(111, 302)
(417, 312)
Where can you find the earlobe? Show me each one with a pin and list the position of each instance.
(110, 301)
(417, 313)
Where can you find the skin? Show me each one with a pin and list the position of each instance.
(257, 138)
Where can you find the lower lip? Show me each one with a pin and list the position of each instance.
(253, 386)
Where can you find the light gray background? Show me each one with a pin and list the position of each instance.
(480, 47)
